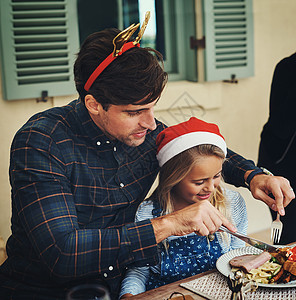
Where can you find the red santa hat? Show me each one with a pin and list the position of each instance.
(178, 138)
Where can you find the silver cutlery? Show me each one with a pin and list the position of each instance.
(276, 229)
(251, 241)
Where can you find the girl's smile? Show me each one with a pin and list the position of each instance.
(203, 196)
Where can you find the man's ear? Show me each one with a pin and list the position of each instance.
(92, 105)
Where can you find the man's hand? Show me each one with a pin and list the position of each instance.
(202, 218)
(262, 186)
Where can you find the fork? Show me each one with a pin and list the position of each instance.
(276, 229)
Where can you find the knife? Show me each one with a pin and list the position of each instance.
(251, 241)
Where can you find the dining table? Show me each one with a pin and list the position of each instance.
(165, 291)
(211, 285)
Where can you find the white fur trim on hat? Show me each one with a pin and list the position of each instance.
(187, 141)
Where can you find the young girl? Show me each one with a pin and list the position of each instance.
(190, 155)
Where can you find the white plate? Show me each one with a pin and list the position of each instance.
(223, 266)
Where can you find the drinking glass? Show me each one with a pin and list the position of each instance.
(88, 292)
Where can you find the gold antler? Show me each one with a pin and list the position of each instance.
(123, 37)
(143, 27)
(126, 34)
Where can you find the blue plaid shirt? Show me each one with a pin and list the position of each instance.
(74, 198)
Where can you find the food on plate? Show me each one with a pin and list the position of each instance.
(287, 258)
(248, 262)
(290, 266)
(275, 267)
(264, 273)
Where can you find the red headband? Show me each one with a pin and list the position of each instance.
(105, 63)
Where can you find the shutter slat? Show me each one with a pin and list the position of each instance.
(38, 54)
(234, 30)
(230, 18)
(233, 44)
(225, 50)
(35, 5)
(229, 3)
(34, 52)
(40, 79)
(228, 11)
(32, 23)
(230, 38)
(38, 13)
(30, 78)
(39, 42)
(44, 29)
(40, 46)
(231, 56)
(228, 25)
(40, 70)
(40, 38)
(231, 65)
(41, 62)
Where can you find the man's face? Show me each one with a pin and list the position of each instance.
(126, 123)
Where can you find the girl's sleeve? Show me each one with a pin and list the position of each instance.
(135, 278)
(134, 281)
(239, 217)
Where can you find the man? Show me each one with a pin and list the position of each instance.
(79, 172)
(278, 137)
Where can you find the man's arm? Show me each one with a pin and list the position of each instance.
(201, 217)
(236, 170)
(44, 205)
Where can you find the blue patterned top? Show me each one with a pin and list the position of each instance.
(187, 255)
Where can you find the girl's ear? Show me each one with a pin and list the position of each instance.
(91, 104)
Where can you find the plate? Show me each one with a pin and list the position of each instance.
(224, 267)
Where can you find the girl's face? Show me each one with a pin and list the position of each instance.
(200, 183)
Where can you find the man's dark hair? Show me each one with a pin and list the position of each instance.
(137, 74)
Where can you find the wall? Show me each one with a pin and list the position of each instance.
(240, 109)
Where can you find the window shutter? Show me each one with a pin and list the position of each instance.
(228, 28)
(39, 40)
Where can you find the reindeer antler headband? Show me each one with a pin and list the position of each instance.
(120, 46)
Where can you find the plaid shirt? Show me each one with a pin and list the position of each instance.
(74, 198)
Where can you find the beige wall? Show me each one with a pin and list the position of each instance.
(240, 109)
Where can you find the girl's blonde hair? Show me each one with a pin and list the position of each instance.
(177, 168)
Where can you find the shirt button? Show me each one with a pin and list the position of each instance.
(110, 268)
(98, 143)
(114, 148)
(105, 275)
(121, 184)
(107, 142)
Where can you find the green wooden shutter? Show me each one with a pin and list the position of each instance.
(39, 40)
(228, 28)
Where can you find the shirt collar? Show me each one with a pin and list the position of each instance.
(90, 128)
